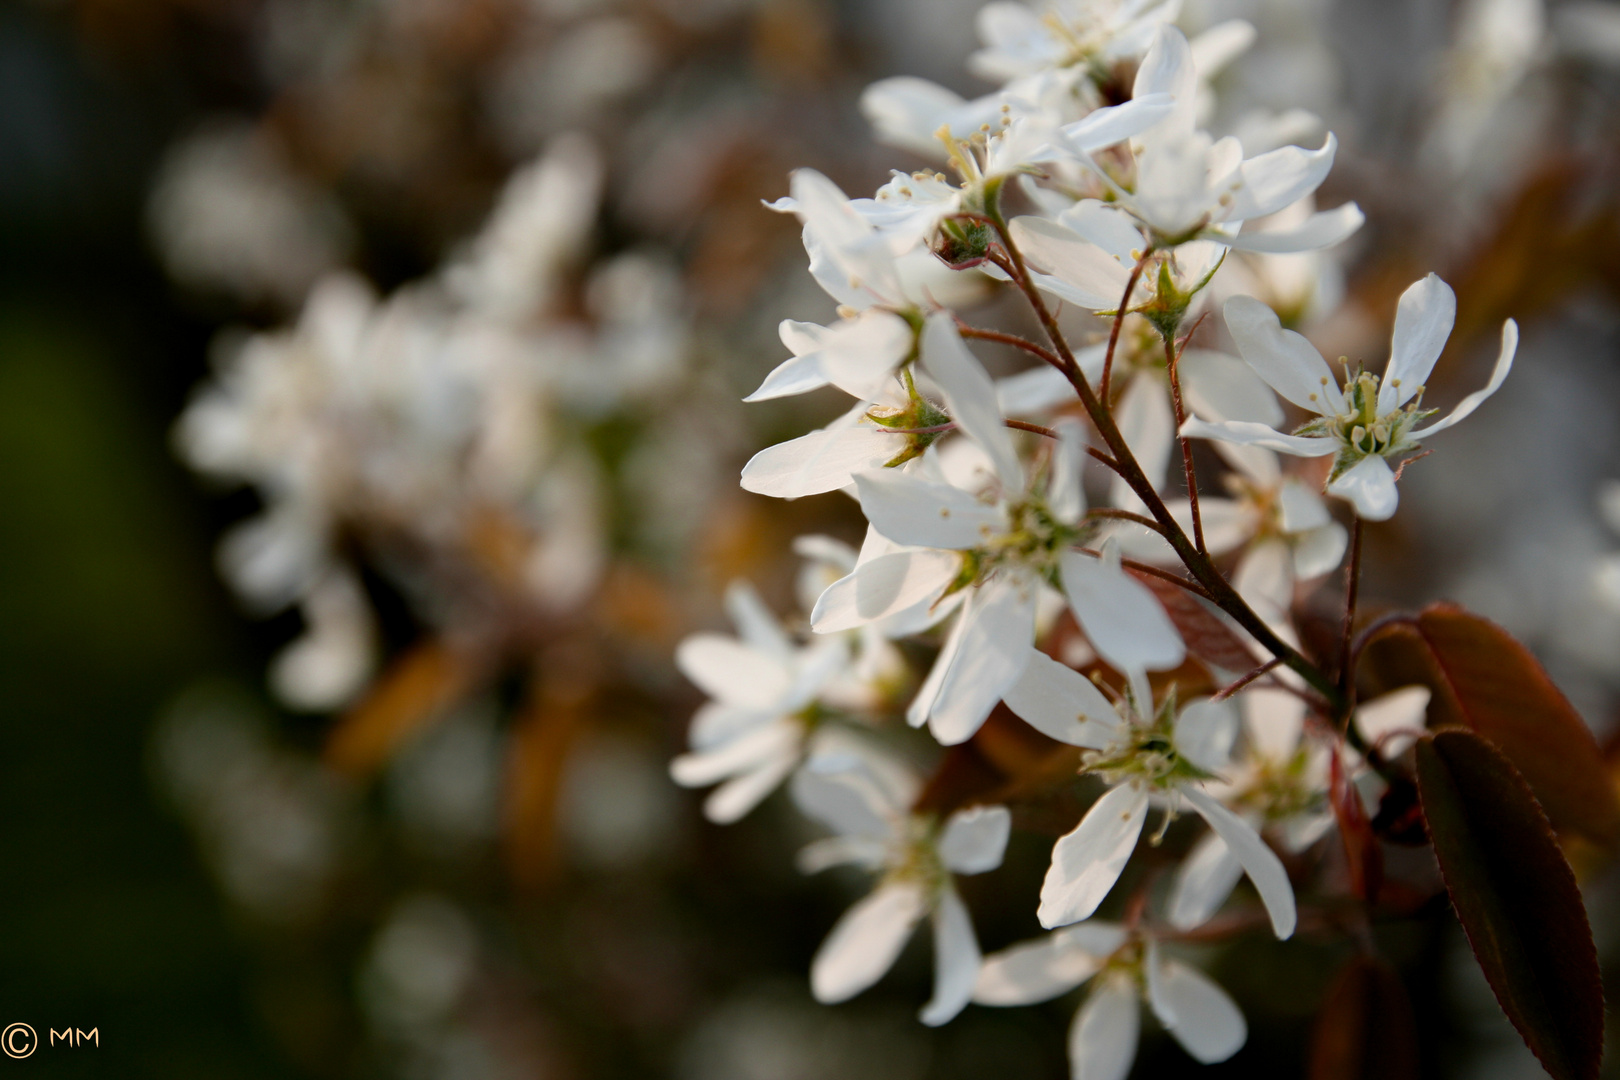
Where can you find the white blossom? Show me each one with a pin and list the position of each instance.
(1367, 421)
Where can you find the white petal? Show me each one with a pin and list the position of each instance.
(1247, 434)
(732, 800)
(1203, 1019)
(1265, 576)
(820, 461)
(830, 851)
(1102, 1039)
(1369, 486)
(1062, 704)
(1148, 427)
(1087, 861)
(969, 395)
(1094, 279)
(997, 639)
(715, 722)
(1499, 374)
(729, 671)
(1167, 68)
(956, 960)
(851, 802)
(795, 375)
(1321, 230)
(865, 942)
(1284, 359)
(1048, 966)
(1273, 721)
(743, 754)
(859, 355)
(1115, 123)
(1423, 321)
(754, 621)
(1120, 616)
(1033, 391)
(1273, 181)
(905, 111)
(908, 510)
(928, 693)
(1299, 507)
(1222, 43)
(1319, 551)
(1106, 226)
(1205, 731)
(1205, 879)
(1222, 387)
(1259, 861)
(974, 839)
(885, 586)
(1066, 499)
(1400, 710)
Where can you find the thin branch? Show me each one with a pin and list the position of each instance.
(1352, 586)
(1125, 515)
(1172, 358)
(1219, 590)
(1119, 320)
(1007, 339)
(1227, 691)
(1024, 425)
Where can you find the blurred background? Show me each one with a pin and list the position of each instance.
(369, 431)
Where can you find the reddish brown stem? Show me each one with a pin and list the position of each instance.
(1352, 586)
(1007, 339)
(1172, 357)
(1227, 691)
(1119, 320)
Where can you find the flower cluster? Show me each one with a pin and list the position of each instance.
(1088, 186)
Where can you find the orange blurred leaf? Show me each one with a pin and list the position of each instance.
(427, 679)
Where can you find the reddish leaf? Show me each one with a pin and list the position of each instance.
(1365, 1030)
(1516, 898)
(1207, 637)
(1361, 850)
(1487, 681)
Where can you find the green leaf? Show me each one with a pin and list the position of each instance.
(1488, 682)
(1516, 898)
(1365, 1030)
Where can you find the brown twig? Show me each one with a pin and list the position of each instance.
(1014, 340)
(1125, 515)
(1172, 356)
(1119, 320)
(1227, 691)
(1352, 586)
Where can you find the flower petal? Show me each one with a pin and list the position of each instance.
(1066, 499)
(1148, 426)
(1284, 359)
(1273, 181)
(1048, 966)
(1259, 861)
(1062, 704)
(997, 638)
(1319, 551)
(1203, 1019)
(754, 622)
(969, 395)
(733, 800)
(1244, 433)
(820, 461)
(1033, 391)
(742, 754)
(1102, 1039)
(1092, 278)
(928, 693)
(1399, 711)
(1205, 731)
(859, 355)
(1121, 618)
(1321, 230)
(975, 839)
(731, 672)
(1369, 486)
(1423, 321)
(795, 375)
(1205, 879)
(1115, 123)
(865, 942)
(1222, 387)
(956, 960)
(1087, 861)
(909, 510)
(1499, 374)
(885, 586)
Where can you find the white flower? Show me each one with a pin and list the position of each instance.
(765, 692)
(866, 800)
(1281, 784)
(1145, 756)
(1003, 548)
(1124, 967)
(1021, 39)
(1368, 421)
